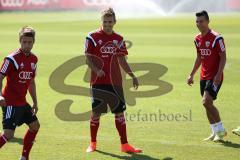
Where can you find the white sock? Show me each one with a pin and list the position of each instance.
(214, 128)
(22, 158)
(220, 126)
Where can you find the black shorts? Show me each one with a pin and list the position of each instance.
(107, 95)
(15, 116)
(207, 85)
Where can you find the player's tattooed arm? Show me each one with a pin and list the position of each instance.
(218, 77)
(194, 70)
(125, 66)
(89, 61)
(2, 100)
(33, 94)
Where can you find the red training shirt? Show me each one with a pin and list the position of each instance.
(19, 70)
(209, 47)
(104, 50)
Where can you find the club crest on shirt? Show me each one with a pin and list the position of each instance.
(33, 66)
(207, 43)
(115, 42)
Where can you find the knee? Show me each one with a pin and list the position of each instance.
(207, 103)
(119, 114)
(35, 126)
(96, 115)
(8, 135)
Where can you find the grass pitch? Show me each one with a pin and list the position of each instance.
(166, 41)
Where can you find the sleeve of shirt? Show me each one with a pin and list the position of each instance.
(89, 45)
(122, 50)
(220, 46)
(196, 45)
(35, 71)
(7, 67)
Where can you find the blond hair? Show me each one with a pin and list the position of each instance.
(27, 31)
(109, 12)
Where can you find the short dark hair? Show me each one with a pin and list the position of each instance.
(203, 13)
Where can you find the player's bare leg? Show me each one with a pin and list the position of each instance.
(94, 125)
(218, 132)
(6, 136)
(211, 121)
(211, 110)
(29, 139)
(121, 127)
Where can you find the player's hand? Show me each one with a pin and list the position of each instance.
(190, 80)
(2, 101)
(217, 79)
(34, 109)
(100, 73)
(135, 82)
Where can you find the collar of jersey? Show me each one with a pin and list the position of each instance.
(21, 52)
(209, 31)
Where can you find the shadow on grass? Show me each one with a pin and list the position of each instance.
(230, 144)
(132, 156)
(16, 140)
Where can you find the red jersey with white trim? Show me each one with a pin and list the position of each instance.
(19, 70)
(104, 50)
(209, 47)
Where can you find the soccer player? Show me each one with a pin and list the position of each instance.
(19, 68)
(211, 55)
(106, 52)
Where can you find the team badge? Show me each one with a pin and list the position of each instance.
(115, 42)
(33, 66)
(207, 43)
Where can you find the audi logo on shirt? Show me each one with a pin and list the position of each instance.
(205, 52)
(25, 75)
(108, 48)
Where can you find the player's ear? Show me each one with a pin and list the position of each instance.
(114, 22)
